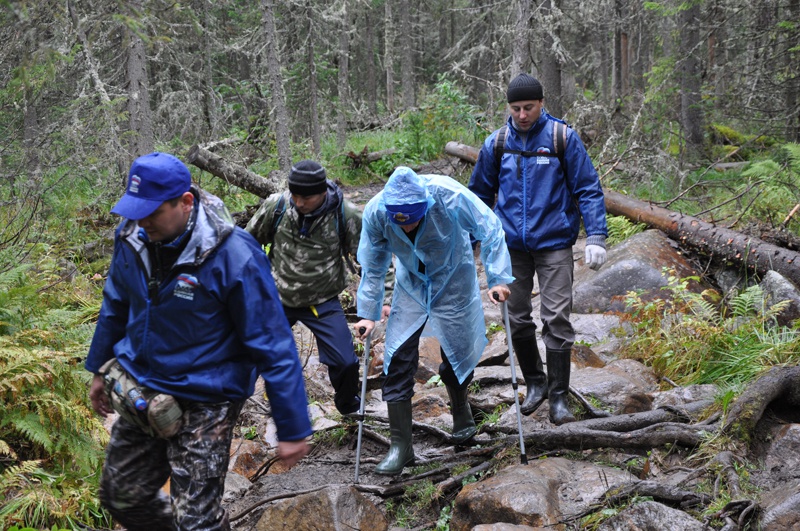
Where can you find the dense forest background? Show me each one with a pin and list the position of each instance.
(662, 93)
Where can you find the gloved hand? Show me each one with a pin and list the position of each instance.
(595, 256)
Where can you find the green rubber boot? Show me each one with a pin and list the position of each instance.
(463, 421)
(530, 365)
(401, 451)
(558, 361)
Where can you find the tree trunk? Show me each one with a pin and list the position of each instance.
(705, 237)
(139, 114)
(311, 65)
(344, 78)
(235, 174)
(209, 97)
(520, 56)
(280, 116)
(691, 111)
(551, 68)
(388, 54)
(407, 56)
(372, 78)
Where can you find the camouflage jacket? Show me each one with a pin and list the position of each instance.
(308, 269)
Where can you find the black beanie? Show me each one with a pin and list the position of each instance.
(524, 87)
(307, 178)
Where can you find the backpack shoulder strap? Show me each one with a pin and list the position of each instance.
(500, 144)
(277, 216)
(341, 226)
(559, 139)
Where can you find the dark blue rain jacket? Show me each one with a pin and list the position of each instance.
(213, 325)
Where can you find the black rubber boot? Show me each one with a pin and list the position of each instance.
(346, 387)
(530, 365)
(558, 390)
(401, 451)
(463, 422)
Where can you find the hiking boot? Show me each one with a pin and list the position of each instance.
(530, 365)
(401, 451)
(558, 366)
(463, 421)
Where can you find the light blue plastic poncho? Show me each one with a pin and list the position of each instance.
(447, 292)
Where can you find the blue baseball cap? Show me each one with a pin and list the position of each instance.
(406, 214)
(153, 179)
(406, 196)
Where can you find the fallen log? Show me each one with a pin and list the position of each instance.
(694, 232)
(364, 157)
(235, 174)
(707, 238)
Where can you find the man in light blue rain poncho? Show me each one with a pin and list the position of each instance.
(426, 221)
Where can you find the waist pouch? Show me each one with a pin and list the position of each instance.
(157, 414)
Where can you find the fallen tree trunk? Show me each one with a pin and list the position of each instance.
(235, 174)
(705, 237)
(365, 157)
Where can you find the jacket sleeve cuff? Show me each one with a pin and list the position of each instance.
(597, 239)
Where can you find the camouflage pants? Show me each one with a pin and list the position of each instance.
(195, 460)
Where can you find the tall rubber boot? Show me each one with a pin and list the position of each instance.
(346, 397)
(530, 365)
(463, 422)
(558, 388)
(401, 451)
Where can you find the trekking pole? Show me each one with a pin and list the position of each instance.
(363, 399)
(522, 457)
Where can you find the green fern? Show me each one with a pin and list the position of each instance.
(621, 228)
(689, 339)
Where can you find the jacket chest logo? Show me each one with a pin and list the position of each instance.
(544, 158)
(185, 287)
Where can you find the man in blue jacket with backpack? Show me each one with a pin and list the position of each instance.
(537, 175)
(189, 321)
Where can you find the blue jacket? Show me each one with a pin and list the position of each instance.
(447, 291)
(540, 201)
(214, 325)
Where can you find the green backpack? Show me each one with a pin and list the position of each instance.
(341, 227)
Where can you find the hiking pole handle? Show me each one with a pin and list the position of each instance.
(522, 456)
(362, 405)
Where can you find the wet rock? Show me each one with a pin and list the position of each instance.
(680, 396)
(782, 461)
(638, 263)
(781, 508)
(652, 516)
(235, 486)
(329, 509)
(617, 386)
(247, 457)
(778, 289)
(534, 495)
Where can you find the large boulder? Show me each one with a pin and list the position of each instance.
(651, 516)
(640, 263)
(535, 495)
(329, 509)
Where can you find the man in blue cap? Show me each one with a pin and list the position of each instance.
(427, 222)
(189, 321)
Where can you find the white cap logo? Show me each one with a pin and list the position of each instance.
(135, 181)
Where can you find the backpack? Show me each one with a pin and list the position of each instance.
(341, 227)
(559, 144)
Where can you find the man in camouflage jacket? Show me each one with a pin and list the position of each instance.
(309, 267)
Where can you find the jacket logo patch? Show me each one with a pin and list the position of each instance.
(185, 287)
(545, 159)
